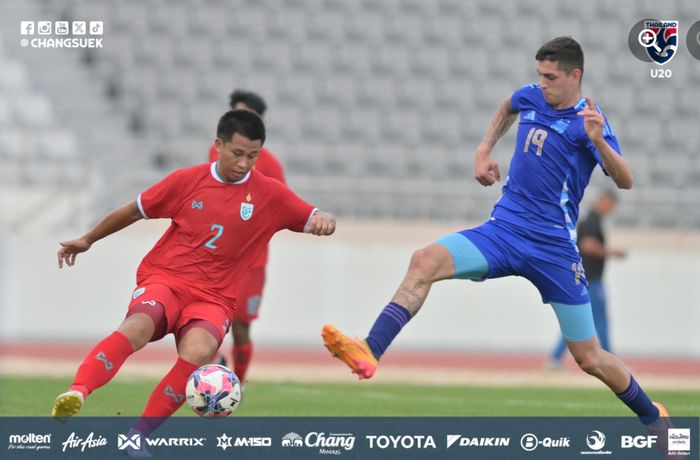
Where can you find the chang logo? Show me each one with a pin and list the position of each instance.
(292, 440)
(139, 291)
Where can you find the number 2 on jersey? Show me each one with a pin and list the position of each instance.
(537, 136)
(219, 231)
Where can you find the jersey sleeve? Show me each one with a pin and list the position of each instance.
(610, 138)
(162, 199)
(522, 97)
(293, 213)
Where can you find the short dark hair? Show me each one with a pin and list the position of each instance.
(243, 122)
(564, 50)
(249, 98)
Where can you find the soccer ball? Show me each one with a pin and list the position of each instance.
(213, 391)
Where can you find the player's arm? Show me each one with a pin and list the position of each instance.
(615, 165)
(113, 222)
(485, 169)
(320, 224)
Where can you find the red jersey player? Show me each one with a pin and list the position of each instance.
(250, 295)
(223, 216)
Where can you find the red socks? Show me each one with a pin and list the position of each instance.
(241, 359)
(168, 396)
(102, 363)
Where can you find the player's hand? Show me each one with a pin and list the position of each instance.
(593, 121)
(322, 223)
(70, 250)
(485, 169)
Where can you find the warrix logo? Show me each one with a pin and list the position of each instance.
(197, 204)
(168, 391)
(125, 441)
(102, 357)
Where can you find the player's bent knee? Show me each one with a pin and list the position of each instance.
(589, 358)
(198, 341)
(432, 263)
(138, 329)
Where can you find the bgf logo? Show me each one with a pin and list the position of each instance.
(639, 442)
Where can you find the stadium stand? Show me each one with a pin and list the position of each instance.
(375, 106)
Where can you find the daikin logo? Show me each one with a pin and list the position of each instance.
(467, 441)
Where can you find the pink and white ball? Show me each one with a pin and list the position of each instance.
(213, 391)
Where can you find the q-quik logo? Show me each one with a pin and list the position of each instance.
(74, 441)
(595, 441)
(530, 442)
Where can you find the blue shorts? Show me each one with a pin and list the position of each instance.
(552, 265)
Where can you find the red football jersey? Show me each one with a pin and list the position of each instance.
(269, 165)
(218, 229)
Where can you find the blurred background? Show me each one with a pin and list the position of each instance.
(374, 108)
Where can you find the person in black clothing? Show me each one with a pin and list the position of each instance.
(594, 252)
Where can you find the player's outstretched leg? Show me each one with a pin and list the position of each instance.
(609, 369)
(353, 352)
(103, 362)
(428, 265)
(99, 367)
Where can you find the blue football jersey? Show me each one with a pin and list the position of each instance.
(551, 166)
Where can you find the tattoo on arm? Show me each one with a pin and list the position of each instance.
(501, 122)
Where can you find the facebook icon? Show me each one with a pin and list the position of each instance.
(26, 27)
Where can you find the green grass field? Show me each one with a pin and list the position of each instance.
(24, 396)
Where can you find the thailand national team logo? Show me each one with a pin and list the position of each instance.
(246, 211)
(660, 39)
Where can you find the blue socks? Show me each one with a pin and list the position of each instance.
(639, 402)
(387, 326)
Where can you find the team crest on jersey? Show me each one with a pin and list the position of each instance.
(662, 42)
(246, 211)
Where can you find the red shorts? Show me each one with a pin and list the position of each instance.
(250, 296)
(182, 305)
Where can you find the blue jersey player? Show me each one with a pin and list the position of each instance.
(562, 137)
